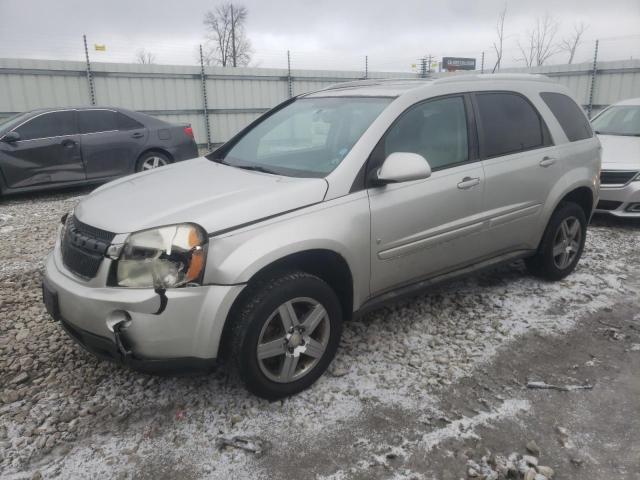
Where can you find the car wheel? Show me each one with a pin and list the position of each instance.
(151, 160)
(284, 334)
(562, 243)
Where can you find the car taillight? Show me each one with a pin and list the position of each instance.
(188, 131)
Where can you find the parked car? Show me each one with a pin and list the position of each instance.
(325, 207)
(618, 128)
(79, 146)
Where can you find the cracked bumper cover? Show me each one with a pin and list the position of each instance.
(122, 324)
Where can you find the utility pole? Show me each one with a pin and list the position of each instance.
(233, 37)
(594, 71)
(429, 64)
(482, 63)
(289, 82)
(205, 106)
(92, 92)
(423, 67)
(366, 67)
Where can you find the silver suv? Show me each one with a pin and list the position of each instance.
(328, 205)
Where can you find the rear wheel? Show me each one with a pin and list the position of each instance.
(151, 160)
(284, 334)
(562, 243)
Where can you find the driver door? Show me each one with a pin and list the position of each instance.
(425, 227)
(48, 151)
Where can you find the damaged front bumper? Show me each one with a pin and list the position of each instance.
(130, 325)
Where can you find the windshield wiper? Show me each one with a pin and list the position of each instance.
(253, 168)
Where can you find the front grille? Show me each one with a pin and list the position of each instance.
(616, 177)
(608, 205)
(83, 247)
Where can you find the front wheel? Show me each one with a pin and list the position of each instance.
(284, 334)
(562, 243)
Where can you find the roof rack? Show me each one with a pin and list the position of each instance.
(372, 82)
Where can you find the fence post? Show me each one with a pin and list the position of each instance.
(92, 92)
(205, 107)
(592, 87)
(289, 79)
(482, 63)
(366, 67)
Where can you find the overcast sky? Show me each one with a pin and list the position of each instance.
(320, 34)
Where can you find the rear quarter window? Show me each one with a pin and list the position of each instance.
(509, 124)
(569, 115)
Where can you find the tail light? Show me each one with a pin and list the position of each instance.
(188, 131)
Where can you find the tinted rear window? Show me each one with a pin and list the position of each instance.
(92, 121)
(509, 122)
(569, 116)
(54, 124)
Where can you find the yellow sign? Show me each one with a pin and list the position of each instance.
(100, 47)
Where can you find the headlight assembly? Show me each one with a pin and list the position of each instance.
(163, 257)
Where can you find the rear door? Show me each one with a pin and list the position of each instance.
(521, 168)
(111, 142)
(426, 227)
(48, 151)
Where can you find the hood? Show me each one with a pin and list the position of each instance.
(213, 195)
(620, 152)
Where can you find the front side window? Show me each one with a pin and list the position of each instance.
(307, 138)
(569, 115)
(54, 124)
(436, 129)
(509, 124)
(94, 121)
(619, 120)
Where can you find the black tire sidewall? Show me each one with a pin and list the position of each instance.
(547, 266)
(146, 155)
(269, 299)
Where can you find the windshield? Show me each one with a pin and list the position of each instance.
(621, 120)
(307, 138)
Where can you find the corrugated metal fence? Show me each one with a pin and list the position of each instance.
(236, 96)
(611, 81)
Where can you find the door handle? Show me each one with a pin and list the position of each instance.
(468, 182)
(547, 162)
(137, 135)
(68, 143)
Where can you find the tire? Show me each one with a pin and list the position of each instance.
(568, 222)
(292, 360)
(151, 160)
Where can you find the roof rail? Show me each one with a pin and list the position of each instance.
(474, 77)
(372, 82)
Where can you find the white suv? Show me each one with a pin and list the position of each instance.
(326, 206)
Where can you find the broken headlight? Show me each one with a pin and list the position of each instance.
(163, 257)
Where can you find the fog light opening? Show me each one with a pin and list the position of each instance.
(633, 207)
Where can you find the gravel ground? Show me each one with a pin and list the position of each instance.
(64, 414)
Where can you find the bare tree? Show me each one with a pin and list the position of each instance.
(145, 57)
(228, 44)
(497, 45)
(540, 45)
(571, 43)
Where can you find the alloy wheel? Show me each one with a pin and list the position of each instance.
(566, 243)
(153, 162)
(293, 340)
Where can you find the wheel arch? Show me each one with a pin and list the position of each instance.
(326, 264)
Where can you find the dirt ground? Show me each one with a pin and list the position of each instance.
(421, 389)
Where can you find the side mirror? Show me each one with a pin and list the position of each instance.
(11, 137)
(403, 167)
